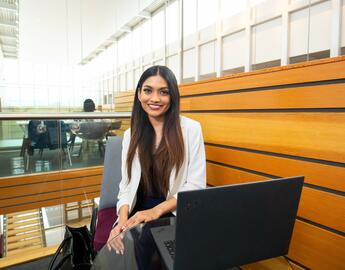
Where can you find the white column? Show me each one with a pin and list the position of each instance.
(165, 33)
(248, 38)
(285, 35)
(218, 51)
(180, 50)
(335, 27)
(197, 47)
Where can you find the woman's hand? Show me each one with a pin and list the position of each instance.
(143, 216)
(116, 243)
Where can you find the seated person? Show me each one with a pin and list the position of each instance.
(170, 159)
(88, 106)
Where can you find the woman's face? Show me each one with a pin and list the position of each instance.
(154, 97)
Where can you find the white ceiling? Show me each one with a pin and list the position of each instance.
(9, 28)
(68, 31)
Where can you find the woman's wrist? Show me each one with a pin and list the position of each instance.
(123, 215)
(158, 211)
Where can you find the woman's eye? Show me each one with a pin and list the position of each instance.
(147, 90)
(164, 92)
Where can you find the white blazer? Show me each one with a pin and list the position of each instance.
(192, 174)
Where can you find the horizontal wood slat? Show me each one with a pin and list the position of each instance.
(49, 196)
(122, 94)
(50, 176)
(14, 226)
(24, 230)
(279, 263)
(25, 243)
(330, 213)
(125, 109)
(50, 202)
(320, 96)
(24, 236)
(328, 69)
(124, 105)
(315, 173)
(14, 219)
(39, 188)
(24, 250)
(218, 175)
(313, 135)
(124, 99)
(316, 248)
(323, 207)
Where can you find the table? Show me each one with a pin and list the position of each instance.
(141, 252)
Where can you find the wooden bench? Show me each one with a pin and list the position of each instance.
(281, 122)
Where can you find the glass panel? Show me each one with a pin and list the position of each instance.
(207, 13)
(50, 176)
(158, 30)
(172, 24)
(34, 229)
(266, 56)
(233, 51)
(305, 42)
(189, 17)
(34, 146)
(207, 58)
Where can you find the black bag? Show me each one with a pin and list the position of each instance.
(77, 252)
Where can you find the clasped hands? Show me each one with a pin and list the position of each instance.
(115, 240)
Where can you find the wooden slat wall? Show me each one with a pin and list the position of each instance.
(282, 122)
(47, 189)
(124, 103)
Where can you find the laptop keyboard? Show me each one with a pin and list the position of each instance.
(170, 245)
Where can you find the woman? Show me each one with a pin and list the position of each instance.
(163, 153)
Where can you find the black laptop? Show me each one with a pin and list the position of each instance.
(226, 226)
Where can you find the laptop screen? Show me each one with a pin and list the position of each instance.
(233, 225)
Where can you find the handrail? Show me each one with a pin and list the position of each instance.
(82, 115)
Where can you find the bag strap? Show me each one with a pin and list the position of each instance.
(63, 243)
(62, 261)
(93, 223)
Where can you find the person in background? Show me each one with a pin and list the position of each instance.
(88, 106)
(163, 153)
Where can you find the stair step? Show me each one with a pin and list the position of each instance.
(23, 212)
(22, 250)
(14, 219)
(21, 224)
(25, 243)
(35, 227)
(22, 236)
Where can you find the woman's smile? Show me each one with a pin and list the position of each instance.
(155, 106)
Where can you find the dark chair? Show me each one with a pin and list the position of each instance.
(106, 213)
(90, 132)
(49, 134)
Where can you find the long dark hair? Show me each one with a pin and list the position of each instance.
(170, 153)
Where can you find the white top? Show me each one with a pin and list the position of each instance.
(192, 174)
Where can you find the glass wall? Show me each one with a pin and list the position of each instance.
(227, 36)
(197, 39)
(51, 172)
